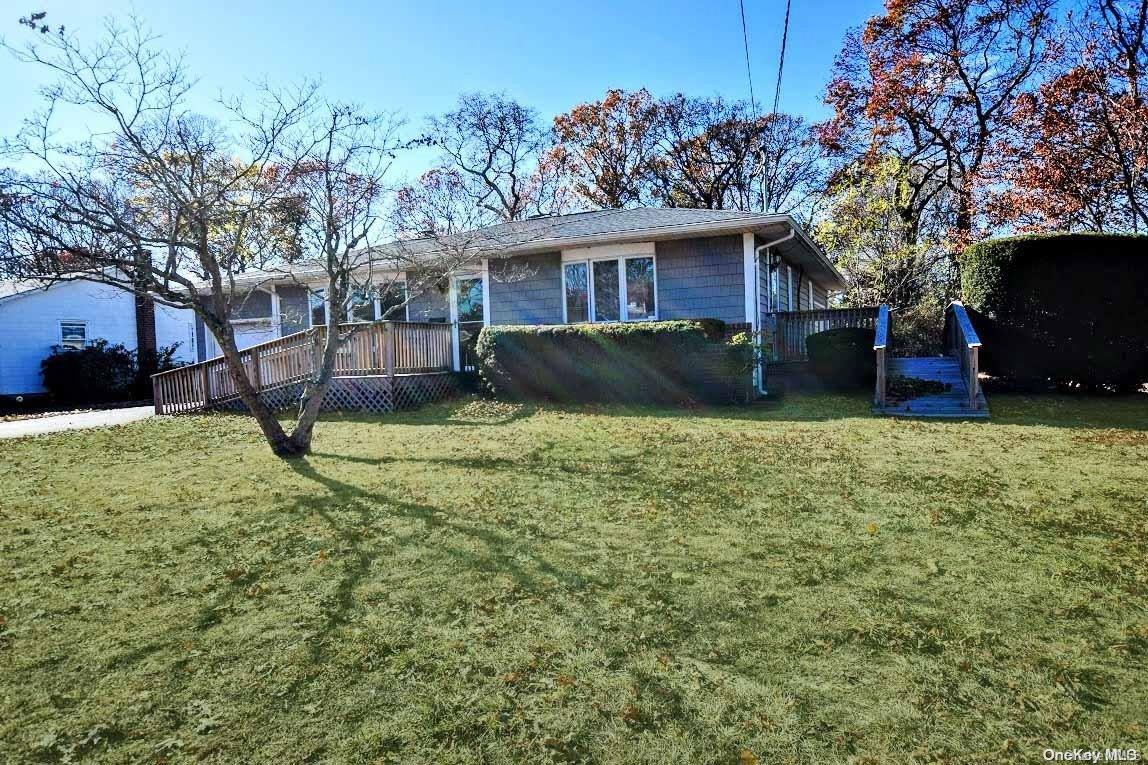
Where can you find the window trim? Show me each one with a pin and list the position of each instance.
(67, 344)
(623, 307)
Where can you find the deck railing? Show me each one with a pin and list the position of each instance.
(962, 341)
(791, 328)
(380, 348)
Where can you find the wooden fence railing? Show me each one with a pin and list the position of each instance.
(792, 327)
(380, 348)
(962, 341)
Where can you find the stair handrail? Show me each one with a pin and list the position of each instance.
(881, 346)
(963, 342)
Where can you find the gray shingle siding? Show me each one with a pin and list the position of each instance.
(820, 296)
(820, 293)
(701, 279)
(526, 289)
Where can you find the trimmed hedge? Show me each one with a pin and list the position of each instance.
(1067, 308)
(666, 362)
(843, 358)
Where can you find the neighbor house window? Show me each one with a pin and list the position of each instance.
(614, 289)
(73, 334)
(470, 306)
(255, 306)
(576, 286)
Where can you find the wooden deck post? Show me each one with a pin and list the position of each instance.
(256, 373)
(389, 349)
(205, 381)
(880, 345)
(157, 393)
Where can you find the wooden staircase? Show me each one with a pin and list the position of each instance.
(958, 370)
(952, 403)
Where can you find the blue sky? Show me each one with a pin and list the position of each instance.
(416, 57)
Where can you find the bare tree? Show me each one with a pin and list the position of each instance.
(720, 155)
(438, 203)
(171, 205)
(495, 145)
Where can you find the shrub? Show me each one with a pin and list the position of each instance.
(101, 372)
(148, 364)
(843, 358)
(1068, 309)
(647, 362)
(919, 330)
(97, 373)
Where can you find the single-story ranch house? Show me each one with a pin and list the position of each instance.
(754, 272)
(603, 266)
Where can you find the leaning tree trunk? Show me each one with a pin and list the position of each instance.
(281, 444)
(314, 391)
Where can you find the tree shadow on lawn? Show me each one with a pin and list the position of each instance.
(503, 555)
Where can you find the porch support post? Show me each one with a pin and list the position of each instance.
(452, 300)
(749, 279)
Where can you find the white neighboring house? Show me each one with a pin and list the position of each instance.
(34, 316)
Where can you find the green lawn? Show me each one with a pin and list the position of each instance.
(793, 583)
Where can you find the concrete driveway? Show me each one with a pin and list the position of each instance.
(74, 421)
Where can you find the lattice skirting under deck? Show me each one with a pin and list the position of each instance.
(363, 394)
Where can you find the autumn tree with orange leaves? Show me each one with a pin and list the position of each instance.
(1077, 155)
(607, 148)
(933, 83)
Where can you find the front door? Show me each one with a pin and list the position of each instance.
(469, 312)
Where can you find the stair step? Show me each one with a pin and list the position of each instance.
(953, 403)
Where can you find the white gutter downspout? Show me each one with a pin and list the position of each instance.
(758, 378)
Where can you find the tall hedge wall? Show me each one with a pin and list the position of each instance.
(1069, 308)
(646, 362)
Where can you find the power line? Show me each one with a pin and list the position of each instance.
(748, 70)
(781, 59)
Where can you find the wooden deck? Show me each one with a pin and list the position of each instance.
(953, 403)
(390, 351)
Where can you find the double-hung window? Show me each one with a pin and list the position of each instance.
(73, 334)
(610, 289)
